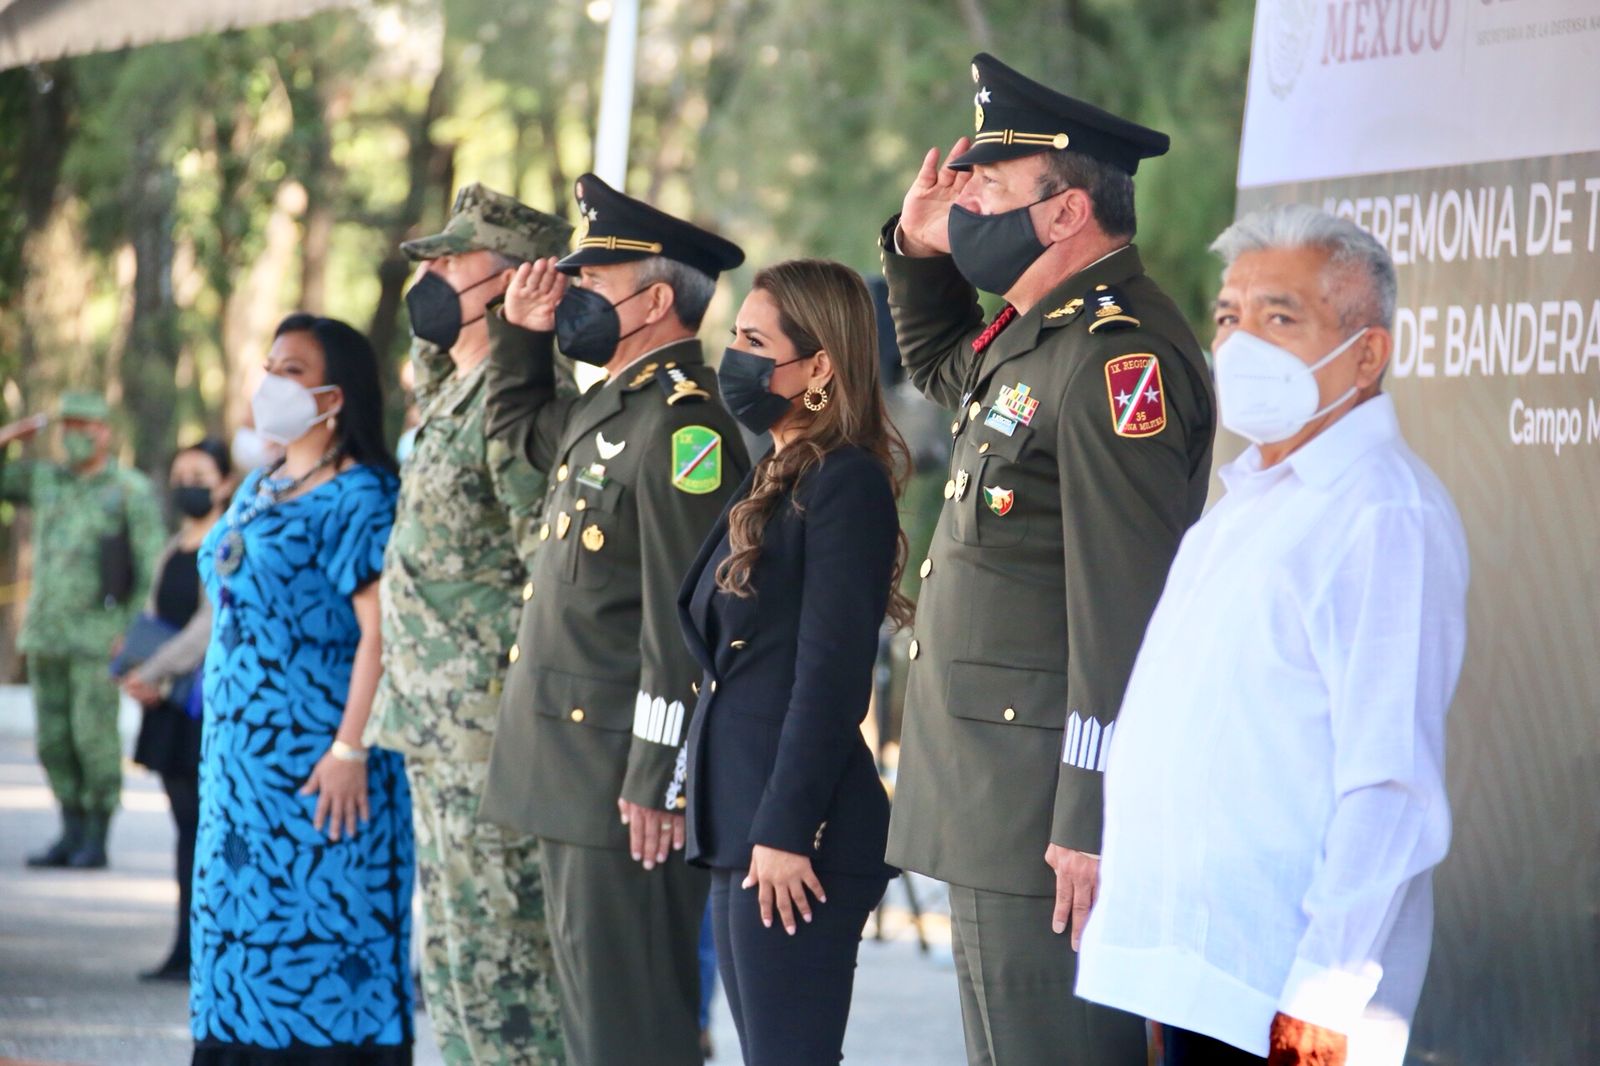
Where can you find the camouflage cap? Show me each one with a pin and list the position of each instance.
(86, 406)
(483, 219)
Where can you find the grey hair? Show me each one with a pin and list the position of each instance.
(1351, 251)
(692, 289)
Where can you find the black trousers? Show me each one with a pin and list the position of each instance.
(183, 792)
(1184, 1048)
(790, 995)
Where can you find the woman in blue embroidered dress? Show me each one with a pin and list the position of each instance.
(302, 888)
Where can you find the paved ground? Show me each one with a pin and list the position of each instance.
(70, 944)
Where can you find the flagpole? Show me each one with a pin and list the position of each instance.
(616, 94)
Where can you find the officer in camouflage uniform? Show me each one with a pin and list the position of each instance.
(454, 578)
(97, 532)
(1081, 453)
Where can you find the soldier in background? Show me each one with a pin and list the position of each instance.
(588, 753)
(97, 531)
(454, 576)
(1082, 447)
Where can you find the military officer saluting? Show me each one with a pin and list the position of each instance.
(1081, 451)
(456, 564)
(96, 535)
(588, 752)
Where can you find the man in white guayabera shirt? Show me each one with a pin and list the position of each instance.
(1275, 793)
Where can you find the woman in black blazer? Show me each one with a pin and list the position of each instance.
(783, 609)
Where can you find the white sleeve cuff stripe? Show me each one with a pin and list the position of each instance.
(1085, 743)
(656, 720)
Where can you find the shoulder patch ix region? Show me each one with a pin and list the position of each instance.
(1107, 304)
(1138, 399)
(679, 387)
(697, 460)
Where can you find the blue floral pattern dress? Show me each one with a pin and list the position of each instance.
(301, 946)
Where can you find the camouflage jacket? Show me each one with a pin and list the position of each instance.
(66, 612)
(453, 573)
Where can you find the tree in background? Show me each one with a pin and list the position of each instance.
(161, 208)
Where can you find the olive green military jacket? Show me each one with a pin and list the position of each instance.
(599, 692)
(1081, 453)
(67, 614)
(453, 572)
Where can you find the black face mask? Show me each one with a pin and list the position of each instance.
(993, 251)
(435, 309)
(745, 382)
(588, 328)
(191, 500)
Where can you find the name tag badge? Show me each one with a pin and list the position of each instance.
(1004, 424)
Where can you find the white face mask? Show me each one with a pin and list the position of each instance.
(286, 410)
(1266, 394)
(252, 451)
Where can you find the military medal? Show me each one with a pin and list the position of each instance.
(1016, 403)
(594, 538)
(563, 523)
(962, 479)
(999, 500)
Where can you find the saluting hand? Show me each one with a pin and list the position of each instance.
(535, 290)
(23, 429)
(925, 212)
(783, 878)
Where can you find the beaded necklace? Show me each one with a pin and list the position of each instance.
(270, 491)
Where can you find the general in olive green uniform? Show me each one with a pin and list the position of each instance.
(597, 701)
(1080, 455)
(453, 581)
(92, 532)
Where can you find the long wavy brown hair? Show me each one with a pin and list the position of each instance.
(822, 305)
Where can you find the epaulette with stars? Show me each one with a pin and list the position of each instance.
(1107, 304)
(678, 386)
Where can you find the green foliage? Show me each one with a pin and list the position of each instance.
(792, 125)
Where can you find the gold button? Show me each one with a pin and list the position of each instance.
(527, 592)
(927, 567)
(1060, 141)
(514, 654)
(683, 801)
(544, 531)
(973, 411)
(713, 686)
(581, 505)
(949, 488)
(737, 644)
(955, 427)
(577, 714)
(983, 448)
(694, 686)
(915, 650)
(1011, 712)
(562, 472)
